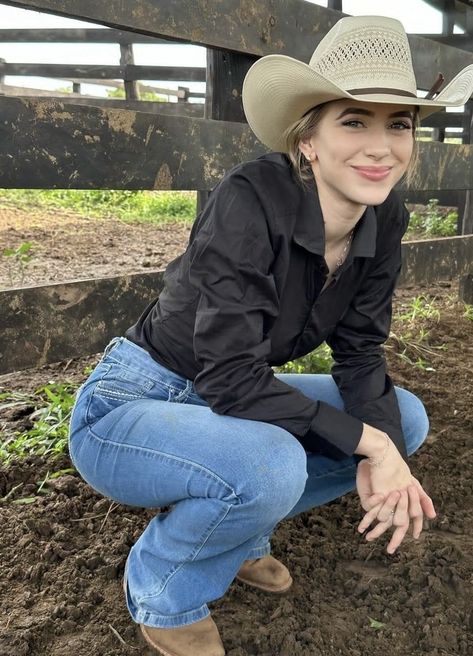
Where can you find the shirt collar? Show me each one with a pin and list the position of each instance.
(309, 230)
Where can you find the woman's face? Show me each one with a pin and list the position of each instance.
(360, 150)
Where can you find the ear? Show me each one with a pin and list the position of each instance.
(307, 149)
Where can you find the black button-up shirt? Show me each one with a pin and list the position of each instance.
(246, 295)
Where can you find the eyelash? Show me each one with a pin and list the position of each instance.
(405, 126)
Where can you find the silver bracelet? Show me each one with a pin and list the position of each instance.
(377, 462)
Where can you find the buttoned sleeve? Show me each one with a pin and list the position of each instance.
(357, 342)
(231, 260)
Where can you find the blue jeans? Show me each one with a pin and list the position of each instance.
(141, 435)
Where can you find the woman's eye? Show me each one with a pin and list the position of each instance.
(353, 123)
(401, 125)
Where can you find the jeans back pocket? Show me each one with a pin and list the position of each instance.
(119, 384)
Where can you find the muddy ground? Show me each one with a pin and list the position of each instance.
(62, 557)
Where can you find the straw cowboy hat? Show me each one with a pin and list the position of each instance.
(365, 58)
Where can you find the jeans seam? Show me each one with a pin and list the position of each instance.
(154, 453)
(192, 556)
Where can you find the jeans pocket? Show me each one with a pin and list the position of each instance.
(119, 384)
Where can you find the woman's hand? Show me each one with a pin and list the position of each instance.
(392, 496)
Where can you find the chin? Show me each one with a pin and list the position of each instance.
(373, 196)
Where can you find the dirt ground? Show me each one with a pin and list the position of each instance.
(62, 557)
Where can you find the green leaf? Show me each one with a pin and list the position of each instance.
(24, 500)
(374, 624)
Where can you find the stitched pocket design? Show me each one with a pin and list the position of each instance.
(119, 384)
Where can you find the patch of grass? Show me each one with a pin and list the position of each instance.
(419, 308)
(410, 338)
(432, 222)
(52, 406)
(318, 361)
(129, 206)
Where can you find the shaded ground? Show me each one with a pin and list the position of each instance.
(62, 557)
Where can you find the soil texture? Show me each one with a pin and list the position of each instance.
(63, 555)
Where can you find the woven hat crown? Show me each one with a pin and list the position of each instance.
(359, 53)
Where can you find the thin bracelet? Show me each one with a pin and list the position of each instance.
(376, 463)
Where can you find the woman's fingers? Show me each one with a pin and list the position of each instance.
(425, 501)
(400, 521)
(383, 510)
(372, 501)
(397, 502)
(369, 518)
(415, 511)
(397, 537)
(397, 509)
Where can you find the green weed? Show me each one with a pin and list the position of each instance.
(432, 222)
(18, 260)
(468, 312)
(52, 406)
(420, 307)
(318, 361)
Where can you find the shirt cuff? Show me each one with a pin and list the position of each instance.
(333, 432)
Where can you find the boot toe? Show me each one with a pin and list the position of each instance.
(198, 639)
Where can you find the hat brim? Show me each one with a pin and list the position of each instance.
(278, 90)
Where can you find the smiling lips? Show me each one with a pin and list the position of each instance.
(373, 172)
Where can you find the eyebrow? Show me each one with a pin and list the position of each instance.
(366, 112)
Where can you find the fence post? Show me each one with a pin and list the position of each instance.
(2, 76)
(224, 80)
(126, 59)
(185, 97)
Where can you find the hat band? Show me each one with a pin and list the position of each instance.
(396, 92)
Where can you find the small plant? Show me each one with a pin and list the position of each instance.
(468, 313)
(420, 307)
(318, 361)
(42, 488)
(432, 222)
(52, 405)
(18, 259)
(374, 624)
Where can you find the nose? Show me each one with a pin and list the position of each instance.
(378, 144)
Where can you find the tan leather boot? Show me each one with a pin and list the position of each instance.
(265, 573)
(198, 639)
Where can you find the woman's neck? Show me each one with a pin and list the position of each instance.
(340, 216)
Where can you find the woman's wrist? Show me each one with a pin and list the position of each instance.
(374, 444)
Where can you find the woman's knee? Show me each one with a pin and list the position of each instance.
(415, 423)
(276, 476)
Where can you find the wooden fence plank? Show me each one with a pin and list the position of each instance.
(99, 71)
(72, 146)
(56, 322)
(290, 27)
(66, 145)
(49, 323)
(75, 35)
(426, 261)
